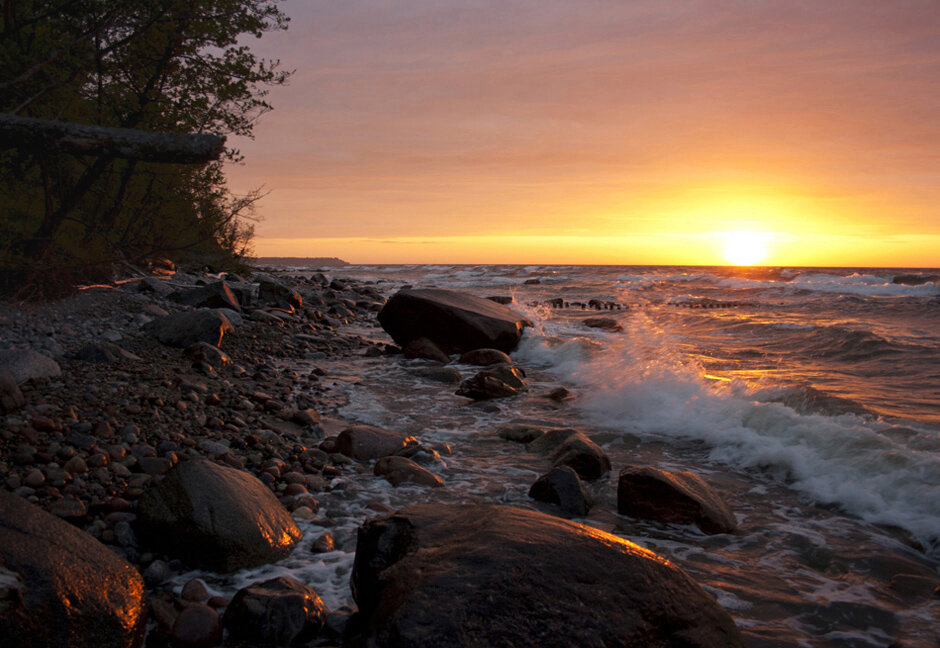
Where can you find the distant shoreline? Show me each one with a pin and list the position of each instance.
(306, 261)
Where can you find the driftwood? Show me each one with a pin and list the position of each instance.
(44, 134)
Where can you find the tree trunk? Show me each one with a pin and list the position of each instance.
(44, 134)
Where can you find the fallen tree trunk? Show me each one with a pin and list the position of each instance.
(30, 133)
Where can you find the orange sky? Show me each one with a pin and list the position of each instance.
(539, 131)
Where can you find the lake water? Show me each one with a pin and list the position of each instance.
(809, 398)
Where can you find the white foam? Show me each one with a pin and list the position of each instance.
(641, 388)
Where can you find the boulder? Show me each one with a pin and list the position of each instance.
(437, 575)
(496, 381)
(401, 470)
(214, 295)
(367, 442)
(677, 497)
(154, 285)
(520, 432)
(552, 438)
(25, 364)
(456, 322)
(276, 612)
(485, 357)
(439, 374)
(274, 293)
(215, 517)
(64, 588)
(606, 323)
(11, 398)
(425, 349)
(205, 352)
(104, 352)
(563, 487)
(197, 626)
(185, 329)
(583, 455)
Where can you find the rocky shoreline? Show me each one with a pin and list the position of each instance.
(114, 398)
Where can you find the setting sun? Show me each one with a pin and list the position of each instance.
(745, 248)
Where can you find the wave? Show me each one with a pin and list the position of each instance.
(815, 443)
(856, 284)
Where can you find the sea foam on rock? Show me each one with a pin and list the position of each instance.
(678, 497)
(75, 592)
(216, 517)
(455, 321)
(435, 575)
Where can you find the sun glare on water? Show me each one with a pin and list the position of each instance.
(745, 248)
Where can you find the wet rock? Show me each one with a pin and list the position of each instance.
(583, 455)
(214, 295)
(521, 432)
(324, 544)
(197, 626)
(367, 442)
(401, 470)
(496, 381)
(606, 323)
(456, 322)
(76, 593)
(676, 497)
(550, 439)
(11, 398)
(437, 575)
(26, 364)
(563, 487)
(485, 357)
(423, 348)
(185, 329)
(215, 517)
(280, 612)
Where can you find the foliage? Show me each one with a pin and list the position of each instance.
(154, 65)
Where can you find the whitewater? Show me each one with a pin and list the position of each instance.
(808, 397)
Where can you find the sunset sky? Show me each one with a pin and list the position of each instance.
(640, 132)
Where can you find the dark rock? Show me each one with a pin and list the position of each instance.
(102, 352)
(75, 592)
(436, 575)
(606, 323)
(532, 282)
(205, 352)
(25, 364)
(550, 440)
(366, 442)
(496, 381)
(185, 329)
(279, 612)
(562, 486)
(425, 349)
(583, 455)
(447, 375)
(456, 322)
(215, 517)
(274, 293)
(401, 470)
(676, 497)
(197, 626)
(11, 398)
(214, 295)
(501, 299)
(153, 285)
(485, 357)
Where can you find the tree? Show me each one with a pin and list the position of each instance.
(175, 66)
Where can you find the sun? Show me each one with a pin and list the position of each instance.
(745, 248)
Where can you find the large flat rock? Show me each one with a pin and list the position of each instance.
(24, 364)
(216, 517)
(456, 322)
(73, 591)
(468, 575)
